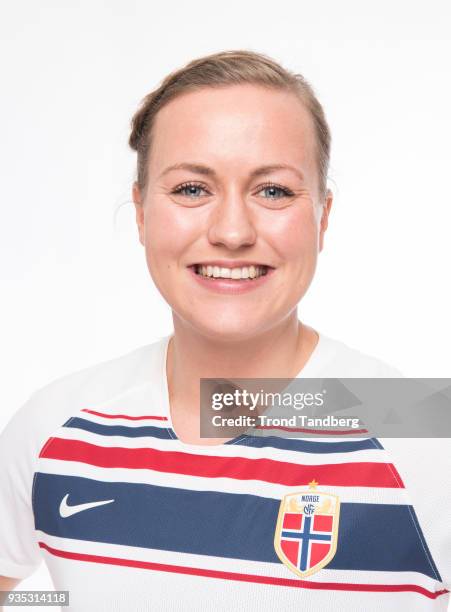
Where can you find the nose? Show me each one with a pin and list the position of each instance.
(231, 222)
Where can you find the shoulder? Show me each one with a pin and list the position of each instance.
(101, 381)
(340, 360)
(49, 406)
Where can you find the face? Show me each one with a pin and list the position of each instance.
(232, 191)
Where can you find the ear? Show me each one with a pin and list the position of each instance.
(139, 209)
(325, 218)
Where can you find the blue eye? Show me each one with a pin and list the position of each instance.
(275, 191)
(189, 189)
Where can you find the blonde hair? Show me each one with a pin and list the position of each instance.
(222, 69)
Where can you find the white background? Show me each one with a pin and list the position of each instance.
(76, 289)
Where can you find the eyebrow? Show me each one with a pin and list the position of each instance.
(207, 171)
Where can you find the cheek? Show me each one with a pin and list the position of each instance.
(295, 233)
(168, 230)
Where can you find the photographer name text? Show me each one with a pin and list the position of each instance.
(297, 420)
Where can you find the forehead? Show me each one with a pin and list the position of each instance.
(235, 126)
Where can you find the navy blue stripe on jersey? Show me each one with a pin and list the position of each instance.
(120, 430)
(380, 537)
(308, 446)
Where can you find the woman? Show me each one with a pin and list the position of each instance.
(106, 476)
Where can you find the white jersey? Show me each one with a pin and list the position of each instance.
(95, 482)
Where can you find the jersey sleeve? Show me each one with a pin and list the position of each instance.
(424, 465)
(19, 551)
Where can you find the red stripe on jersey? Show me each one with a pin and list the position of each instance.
(357, 474)
(197, 571)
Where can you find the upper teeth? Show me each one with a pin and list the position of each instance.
(235, 273)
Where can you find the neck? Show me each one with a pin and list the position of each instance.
(280, 352)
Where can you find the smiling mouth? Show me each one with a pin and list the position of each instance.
(248, 273)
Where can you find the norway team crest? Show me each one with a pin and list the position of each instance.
(307, 530)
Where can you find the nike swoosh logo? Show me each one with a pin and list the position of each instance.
(66, 510)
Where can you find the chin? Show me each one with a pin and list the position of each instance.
(228, 329)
